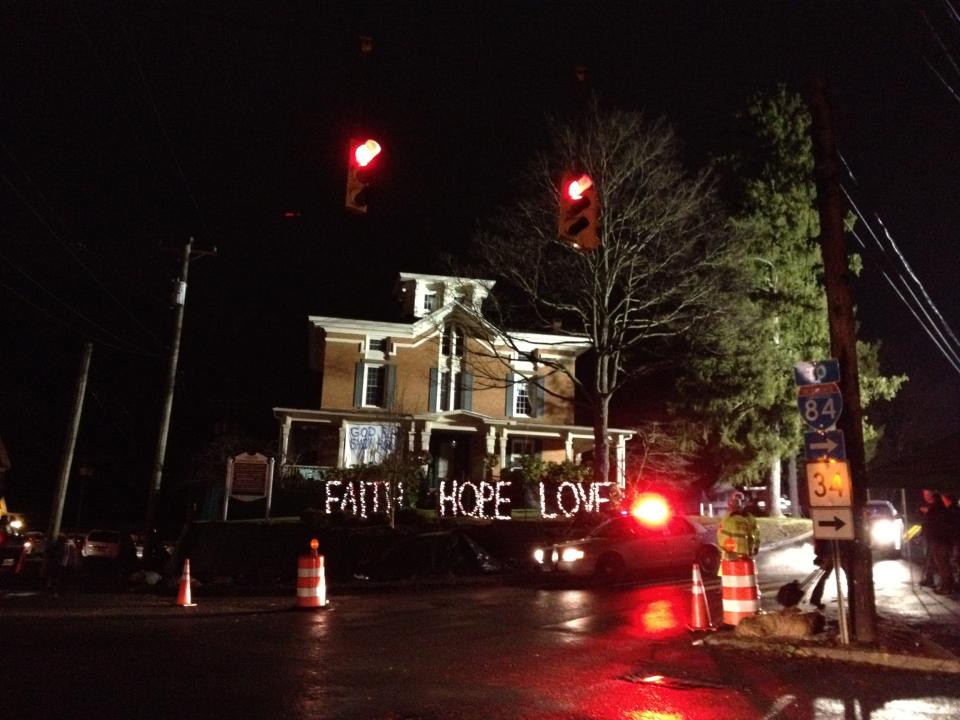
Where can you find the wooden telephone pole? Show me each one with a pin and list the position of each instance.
(66, 460)
(843, 346)
(179, 300)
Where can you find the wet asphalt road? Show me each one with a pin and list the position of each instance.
(483, 652)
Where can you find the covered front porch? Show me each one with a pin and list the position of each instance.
(455, 445)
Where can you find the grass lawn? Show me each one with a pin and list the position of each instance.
(771, 529)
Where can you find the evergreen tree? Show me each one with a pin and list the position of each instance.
(740, 400)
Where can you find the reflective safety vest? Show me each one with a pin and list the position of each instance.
(739, 534)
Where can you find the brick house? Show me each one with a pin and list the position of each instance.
(440, 384)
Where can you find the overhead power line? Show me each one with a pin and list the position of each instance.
(163, 128)
(66, 246)
(904, 281)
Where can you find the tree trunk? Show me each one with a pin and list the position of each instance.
(773, 489)
(601, 440)
(792, 485)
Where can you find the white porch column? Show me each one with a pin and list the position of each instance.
(342, 448)
(568, 447)
(425, 436)
(285, 425)
(491, 440)
(621, 461)
(412, 436)
(503, 449)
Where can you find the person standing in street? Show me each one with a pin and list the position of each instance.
(930, 512)
(823, 559)
(952, 535)
(738, 535)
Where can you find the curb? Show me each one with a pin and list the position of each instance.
(949, 664)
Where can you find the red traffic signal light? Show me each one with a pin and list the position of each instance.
(579, 210)
(362, 155)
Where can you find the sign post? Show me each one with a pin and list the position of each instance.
(820, 403)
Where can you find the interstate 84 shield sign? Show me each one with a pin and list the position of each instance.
(820, 405)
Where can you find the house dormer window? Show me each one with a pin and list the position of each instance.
(430, 302)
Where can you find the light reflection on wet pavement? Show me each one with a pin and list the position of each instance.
(492, 653)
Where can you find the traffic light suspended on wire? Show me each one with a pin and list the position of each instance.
(363, 153)
(579, 210)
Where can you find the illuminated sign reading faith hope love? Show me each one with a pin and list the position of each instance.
(481, 500)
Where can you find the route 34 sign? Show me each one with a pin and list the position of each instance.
(828, 484)
(820, 405)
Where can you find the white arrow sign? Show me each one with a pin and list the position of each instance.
(827, 446)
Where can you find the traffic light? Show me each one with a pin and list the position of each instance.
(579, 209)
(362, 155)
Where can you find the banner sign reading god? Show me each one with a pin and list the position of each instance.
(369, 443)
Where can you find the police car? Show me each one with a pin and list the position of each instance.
(647, 540)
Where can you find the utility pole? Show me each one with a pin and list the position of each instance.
(179, 300)
(843, 346)
(66, 461)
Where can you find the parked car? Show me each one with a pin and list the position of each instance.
(104, 544)
(886, 527)
(11, 545)
(34, 544)
(624, 546)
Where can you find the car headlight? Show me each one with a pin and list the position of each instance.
(884, 532)
(538, 555)
(571, 554)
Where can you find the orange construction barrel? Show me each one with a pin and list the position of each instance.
(741, 597)
(311, 584)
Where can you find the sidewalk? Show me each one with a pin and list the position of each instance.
(916, 628)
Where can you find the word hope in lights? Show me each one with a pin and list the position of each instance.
(651, 509)
(483, 499)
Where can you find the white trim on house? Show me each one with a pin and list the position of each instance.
(431, 325)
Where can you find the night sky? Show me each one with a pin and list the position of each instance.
(126, 128)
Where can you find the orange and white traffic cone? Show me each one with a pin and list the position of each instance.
(699, 610)
(183, 597)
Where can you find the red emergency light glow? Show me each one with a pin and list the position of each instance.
(366, 152)
(651, 509)
(579, 186)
